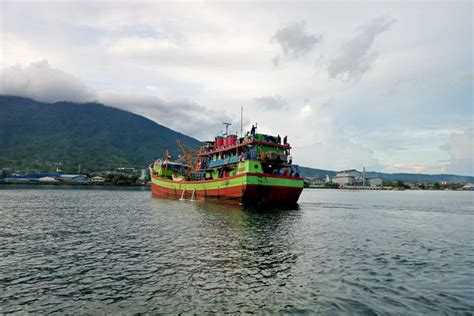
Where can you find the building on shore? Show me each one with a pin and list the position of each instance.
(355, 178)
(468, 187)
(374, 182)
(47, 180)
(144, 175)
(347, 177)
(43, 177)
(97, 179)
(312, 181)
(77, 178)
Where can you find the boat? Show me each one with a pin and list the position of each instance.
(254, 169)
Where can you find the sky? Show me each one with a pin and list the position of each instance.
(385, 85)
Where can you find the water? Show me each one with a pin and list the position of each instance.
(112, 251)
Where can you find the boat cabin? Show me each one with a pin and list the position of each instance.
(229, 155)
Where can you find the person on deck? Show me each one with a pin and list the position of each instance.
(285, 139)
(297, 171)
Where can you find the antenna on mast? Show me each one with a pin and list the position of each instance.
(227, 127)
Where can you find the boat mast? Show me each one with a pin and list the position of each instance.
(227, 128)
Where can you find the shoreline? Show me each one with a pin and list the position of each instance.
(19, 185)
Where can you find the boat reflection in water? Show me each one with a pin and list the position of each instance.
(234, 247)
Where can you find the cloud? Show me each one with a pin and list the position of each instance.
(356, 56)
(272, 102)
(460, 147)
(404, 167)
(294, 41)
(142, 46)
(197, 52)
(276, 61)
(306, 111)
(324, 141)
(194, 55)
(41, 82)
(183, 115)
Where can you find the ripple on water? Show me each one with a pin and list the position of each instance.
(88, 252)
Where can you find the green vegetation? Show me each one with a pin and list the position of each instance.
(42, 136)
(320, 173)
(331, 185)
(37, 136)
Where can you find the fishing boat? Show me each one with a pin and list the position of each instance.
(255, 169)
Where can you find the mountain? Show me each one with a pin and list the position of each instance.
(393, 177)
(39, 136)
(421, 178)
(319, 173)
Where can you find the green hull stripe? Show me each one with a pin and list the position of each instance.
(250, 179)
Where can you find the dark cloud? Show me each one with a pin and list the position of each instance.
(41, 82)
(184, 116)
(356, 56)
(272, 102)
(294, 41)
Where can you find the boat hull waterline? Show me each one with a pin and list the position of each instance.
(246, 188)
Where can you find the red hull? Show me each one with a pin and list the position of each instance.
(244, 194)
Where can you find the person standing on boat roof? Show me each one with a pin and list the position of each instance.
(285, 139)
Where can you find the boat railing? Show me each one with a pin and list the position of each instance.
(221, 162)
(249, 142)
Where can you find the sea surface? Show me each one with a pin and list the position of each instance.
(82, 251)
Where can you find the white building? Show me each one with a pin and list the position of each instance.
(354, 177)
(350, 173)
(313, 181)
(73, 178)
(97, 179)
(374, 182)
(47, 180)
(343, 180)
(347, 177)
(144, 174)
(468, 187)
